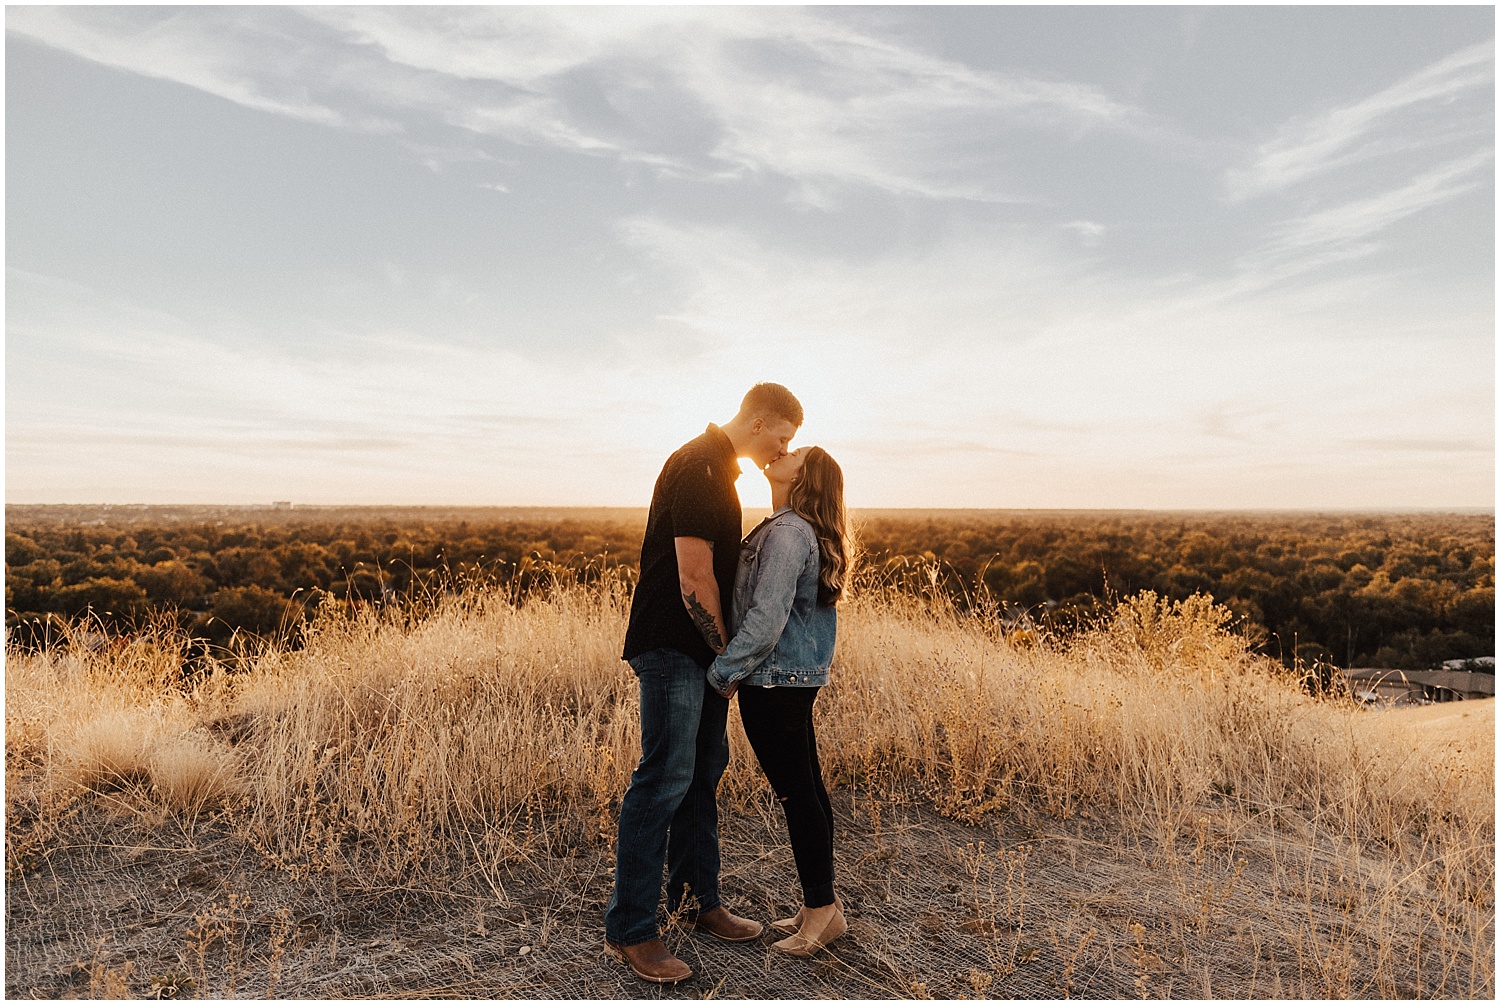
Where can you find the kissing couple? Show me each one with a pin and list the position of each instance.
(712, 618)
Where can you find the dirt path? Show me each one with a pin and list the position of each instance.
(1455, 736)
(1011, 909)
(1452, 720)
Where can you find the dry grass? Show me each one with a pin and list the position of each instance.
(190, 772)
(400, 749)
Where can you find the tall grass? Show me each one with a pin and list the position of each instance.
(394, 741)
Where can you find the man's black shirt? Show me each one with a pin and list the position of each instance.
(694, 497)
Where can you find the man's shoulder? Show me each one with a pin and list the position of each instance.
(700, 456)
(694, 449)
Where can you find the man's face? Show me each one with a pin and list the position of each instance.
(768, 440)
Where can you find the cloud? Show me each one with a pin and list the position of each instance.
(933, 446)
(953, 357)
(1026, 338)
(100, 405)
(783, 91)
(711, 93)
(1087, 230)
(50, 438)
(1014, 355)
(1411, 114)
(1348, 230)
(1414, 445)
(75, 353)
(988, 370)
(244, 57)
(1244, 424)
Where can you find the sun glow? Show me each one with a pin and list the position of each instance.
(754, 490)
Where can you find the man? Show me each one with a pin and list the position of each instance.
(677, 626)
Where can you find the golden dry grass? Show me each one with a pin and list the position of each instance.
(393, 742)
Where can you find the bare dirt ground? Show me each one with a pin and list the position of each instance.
(1015, 908)
(1459, 723)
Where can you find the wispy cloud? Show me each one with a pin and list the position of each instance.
(1348, 230)
(709, 93)
(1077, 368)
(48, 437)
(1088, 231)
(1131, 336)
(1415, 445)
(244, 55)
(1407, 115)
(786, 92)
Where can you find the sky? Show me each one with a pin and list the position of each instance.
(1056, 257)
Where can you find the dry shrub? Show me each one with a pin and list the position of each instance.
(189, 772)
(1146, 718)
(110, 983)
(390, 736)
(109, 716)
(110, 749)
(399, 726)
(398, 741)
(403, 733)
(1159, 717)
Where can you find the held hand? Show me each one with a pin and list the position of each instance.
(729, 691)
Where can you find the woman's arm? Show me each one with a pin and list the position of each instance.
(783, 556)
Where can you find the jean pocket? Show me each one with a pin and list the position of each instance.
(663, 664)
(646, 668)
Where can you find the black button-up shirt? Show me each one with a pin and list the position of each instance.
(694, 497)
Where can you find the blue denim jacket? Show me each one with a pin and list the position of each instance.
(779, 634)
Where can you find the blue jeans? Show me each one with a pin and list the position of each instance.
(670, 812)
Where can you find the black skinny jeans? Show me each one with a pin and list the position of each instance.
(778, 722)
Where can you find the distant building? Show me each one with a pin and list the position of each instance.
(1418, 687)
(282, 504)
(1480, 664)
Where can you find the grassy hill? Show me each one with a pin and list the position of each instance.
(420, 801)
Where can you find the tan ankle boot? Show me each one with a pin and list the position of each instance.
(806, 943)
(789, 926)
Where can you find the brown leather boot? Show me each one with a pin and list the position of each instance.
(650, 961)
(722, 925)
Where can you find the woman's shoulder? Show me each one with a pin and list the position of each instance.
(788, 521)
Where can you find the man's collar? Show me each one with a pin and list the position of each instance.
(721, 439)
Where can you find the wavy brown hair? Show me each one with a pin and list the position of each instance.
(817, 496)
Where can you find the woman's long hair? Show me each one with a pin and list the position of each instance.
(817, 496)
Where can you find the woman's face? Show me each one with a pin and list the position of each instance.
(783, 470)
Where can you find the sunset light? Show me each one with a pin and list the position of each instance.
(1009, 274)
(595, 503)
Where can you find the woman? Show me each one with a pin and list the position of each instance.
(793, 571)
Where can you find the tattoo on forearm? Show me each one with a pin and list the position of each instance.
(707, 626)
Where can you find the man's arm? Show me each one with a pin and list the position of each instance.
(700, 590)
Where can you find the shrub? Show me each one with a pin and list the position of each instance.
(188, 772)
(253, 609)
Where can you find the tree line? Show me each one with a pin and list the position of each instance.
(1395, 590)
(1390, 590)
(221, 577)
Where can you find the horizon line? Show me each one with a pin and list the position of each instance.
(305, 507)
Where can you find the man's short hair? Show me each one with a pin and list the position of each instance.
(772, 401)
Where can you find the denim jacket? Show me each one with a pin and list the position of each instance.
(779, 634)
